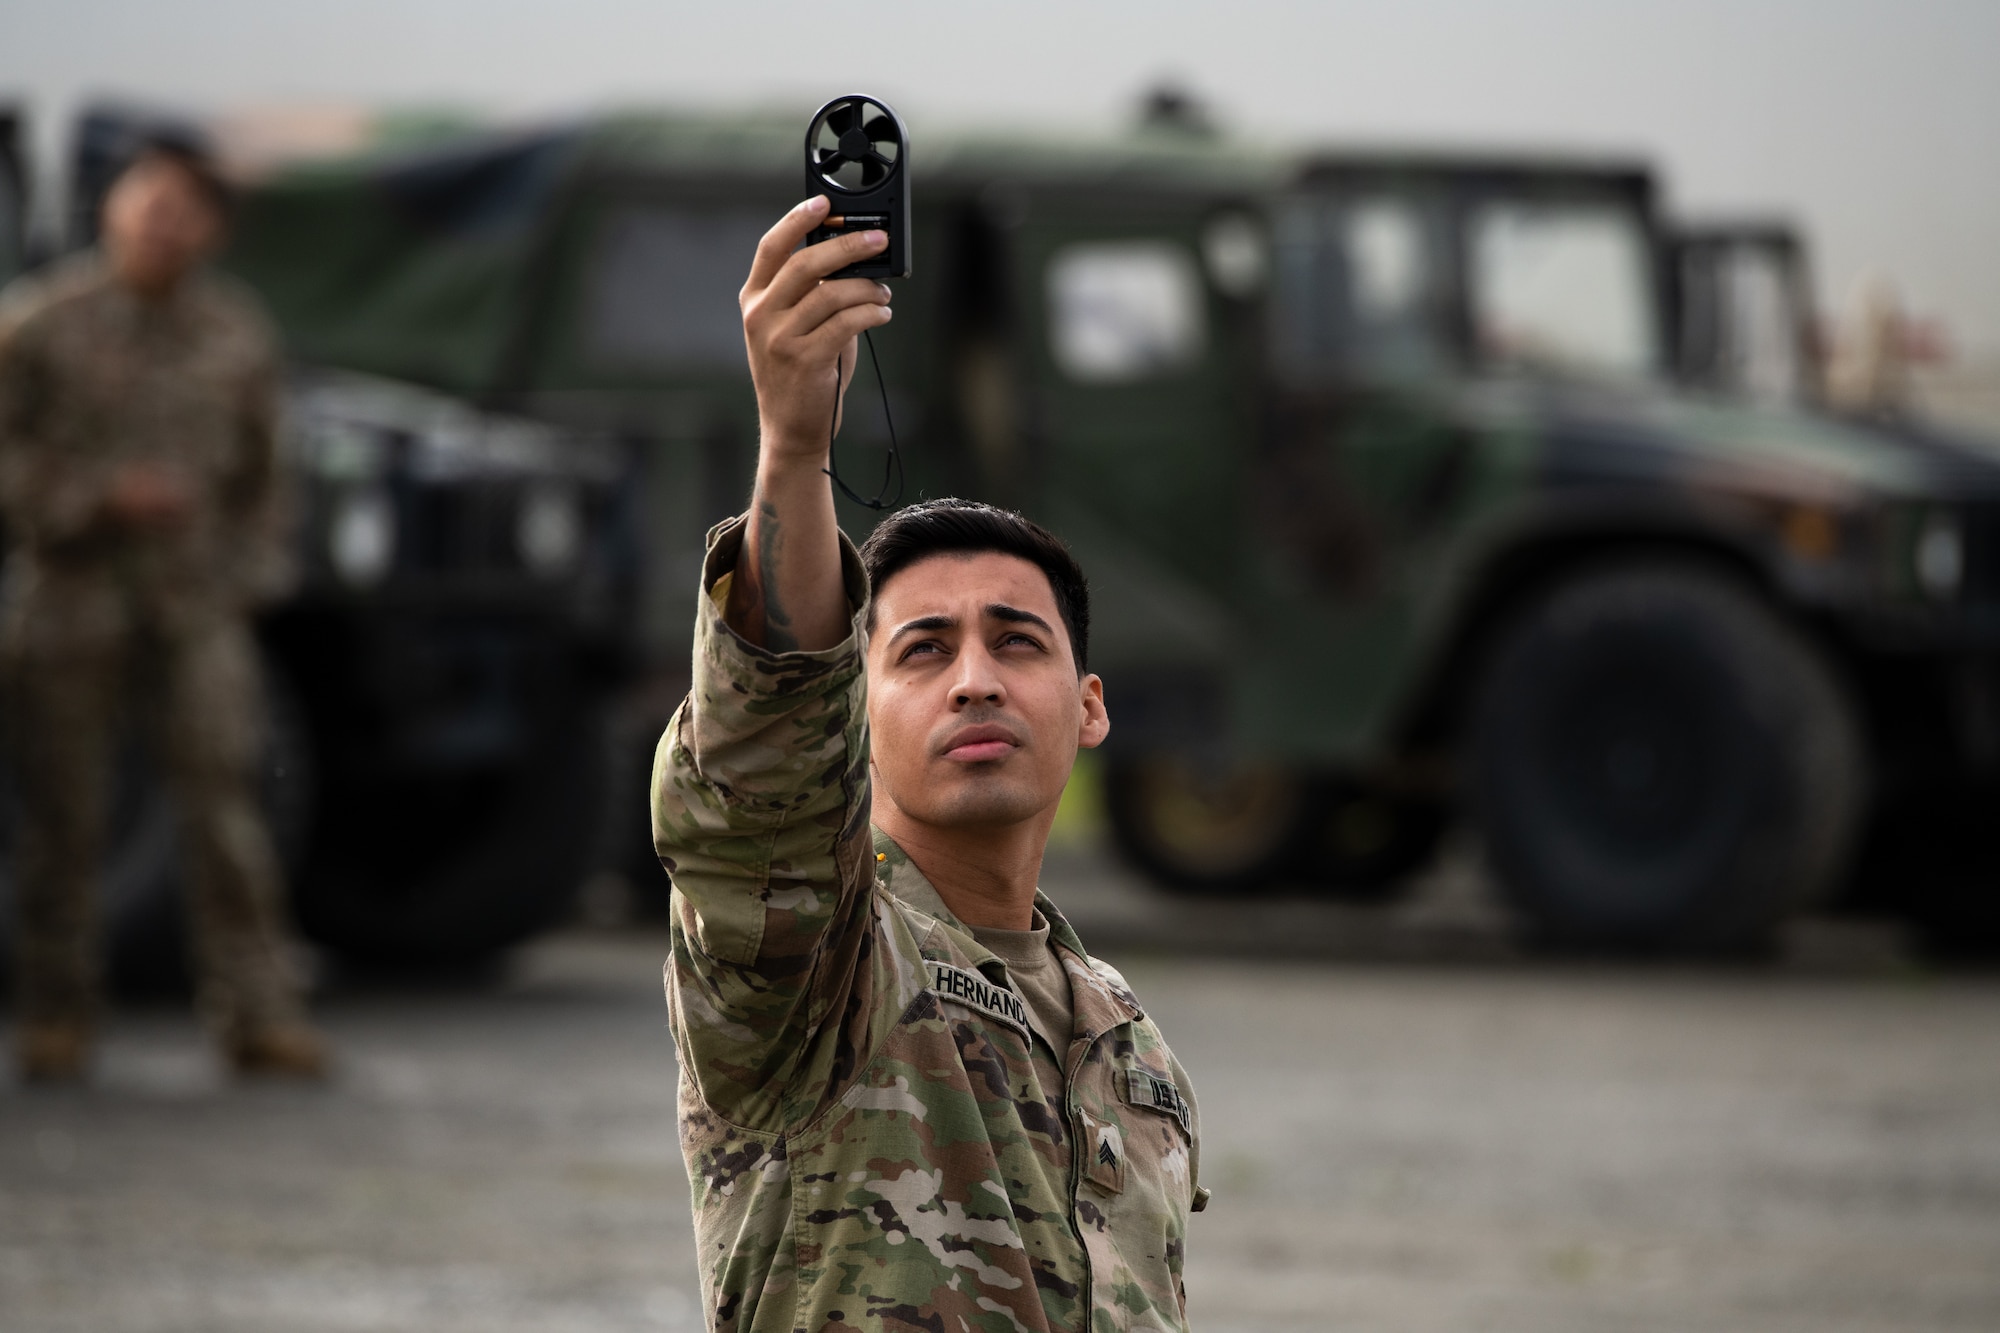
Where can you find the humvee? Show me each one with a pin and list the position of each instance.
(1406, 499)
(1576, 554)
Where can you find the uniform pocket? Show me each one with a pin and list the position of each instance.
(1104, 1146)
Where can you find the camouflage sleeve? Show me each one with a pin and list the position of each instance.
(44, 499)
(760, 815)
(1186, 1086)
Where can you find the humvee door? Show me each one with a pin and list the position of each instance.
(1359, 467)
(1134, 331)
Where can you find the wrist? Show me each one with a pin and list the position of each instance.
(783, 453)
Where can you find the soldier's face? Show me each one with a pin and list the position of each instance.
(158, 225)
(975, 708)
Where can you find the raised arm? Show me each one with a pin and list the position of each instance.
(786, 593)
(760, 784)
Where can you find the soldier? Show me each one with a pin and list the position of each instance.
(139, 485)
(909, 1097)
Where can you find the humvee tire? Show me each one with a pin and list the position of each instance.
(1206, 827)
(1363, 845)
(1659, 763)
(1932, 858)
(455, 868)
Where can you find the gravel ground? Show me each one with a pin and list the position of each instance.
(1453, 1139)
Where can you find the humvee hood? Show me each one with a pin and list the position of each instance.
(1652, 435)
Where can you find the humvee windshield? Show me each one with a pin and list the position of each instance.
(1368, 285)
(1124, 310)
(1744, 313)
(1360, 282)
(1563, 287)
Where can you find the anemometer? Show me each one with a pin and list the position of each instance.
(858, 156)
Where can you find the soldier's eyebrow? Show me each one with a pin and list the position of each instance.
(922, 623)
(1014, 615)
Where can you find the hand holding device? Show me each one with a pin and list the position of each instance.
(858, 154)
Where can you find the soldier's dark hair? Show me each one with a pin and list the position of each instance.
(966, 527)
(191, 154)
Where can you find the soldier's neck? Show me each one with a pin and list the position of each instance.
(986, 875)
(148, 285)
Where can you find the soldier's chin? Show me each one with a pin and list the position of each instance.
(981, 801)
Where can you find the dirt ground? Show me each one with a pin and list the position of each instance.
(1408, 1128)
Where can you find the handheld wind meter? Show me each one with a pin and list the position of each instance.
(858, 156)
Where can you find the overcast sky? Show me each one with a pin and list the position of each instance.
(1875, 124)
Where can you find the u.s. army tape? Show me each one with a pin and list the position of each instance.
(1159, 1094)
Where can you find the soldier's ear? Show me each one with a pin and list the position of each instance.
(1096, 723)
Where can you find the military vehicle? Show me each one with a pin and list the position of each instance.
(441, 678)
(1685, 653)
(1402, 495)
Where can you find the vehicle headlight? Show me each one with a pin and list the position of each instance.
(1940, 556)
(1237, 255)
(361, 538)
(548, 529)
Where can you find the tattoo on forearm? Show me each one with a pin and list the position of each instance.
(778, 634)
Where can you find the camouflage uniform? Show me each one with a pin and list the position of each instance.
(91, 617)
(873, 1137)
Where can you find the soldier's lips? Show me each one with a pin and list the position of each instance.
(980, 745)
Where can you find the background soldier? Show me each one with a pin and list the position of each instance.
(139, 486)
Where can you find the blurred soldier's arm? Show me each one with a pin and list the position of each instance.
(258, 497)
(45, 498)
(760, 785)
(51, 492)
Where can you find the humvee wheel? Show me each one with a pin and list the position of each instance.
(1362, 845)
(456, 866)
(1931, 857)
(1659, 763)
(1205, 827)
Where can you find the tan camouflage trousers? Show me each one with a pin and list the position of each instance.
(198, 696)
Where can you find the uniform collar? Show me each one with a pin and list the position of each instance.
(133, 312)
(1100, 1001)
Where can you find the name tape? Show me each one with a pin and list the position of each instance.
(976, 992)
